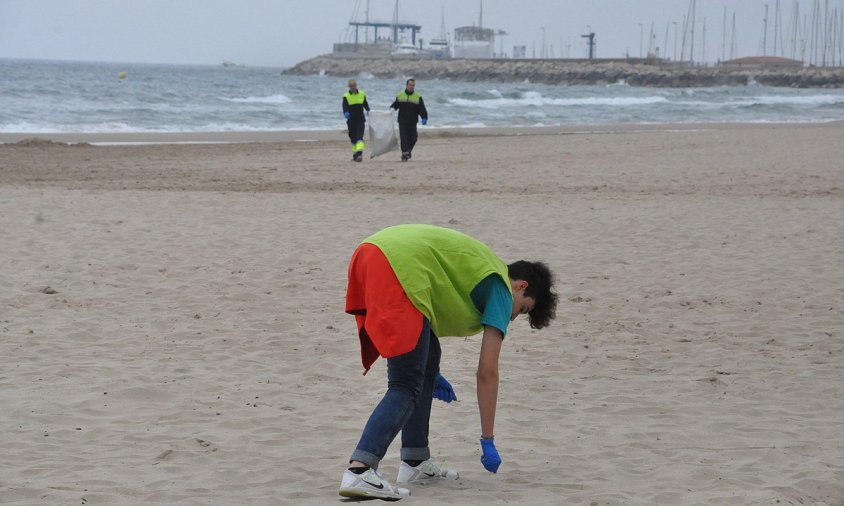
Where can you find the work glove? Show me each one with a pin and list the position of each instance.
(443, 390)
(490, 458)
(346, 115)
(424, 121)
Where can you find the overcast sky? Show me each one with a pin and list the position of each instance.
(280, 33)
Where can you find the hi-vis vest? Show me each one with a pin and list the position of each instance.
(413, 98)
(355, 99)
(438, 269)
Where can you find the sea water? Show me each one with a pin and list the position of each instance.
(52, 96)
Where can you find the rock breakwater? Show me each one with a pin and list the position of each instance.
(574, 72)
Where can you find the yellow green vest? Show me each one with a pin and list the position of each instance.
(355, 99)
(413, 98)
(438, 269)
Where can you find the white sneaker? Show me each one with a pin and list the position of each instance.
(424, 472)
(370, 484)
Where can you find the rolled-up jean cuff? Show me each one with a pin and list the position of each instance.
(365, 457)
(415, 453)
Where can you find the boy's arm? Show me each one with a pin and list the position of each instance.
(487, 378)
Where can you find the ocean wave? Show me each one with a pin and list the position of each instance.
(122, 128)
(811, 100)
(212, 99)
(536, 99)
(49, 128)
(765, 100)
(272, 99)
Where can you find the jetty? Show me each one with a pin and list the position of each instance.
(632, 71)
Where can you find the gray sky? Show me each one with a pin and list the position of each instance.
(280, 33)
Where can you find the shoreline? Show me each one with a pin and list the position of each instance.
(292, 136)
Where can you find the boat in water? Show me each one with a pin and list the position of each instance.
(394, 38)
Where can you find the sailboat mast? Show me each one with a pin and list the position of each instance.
(724, 36)
(765, 32)
(825, 33)
(795, 27)
(733, 45)
(813, 47)
(694, 15)
(366, 15)
(777, 31)
(396, 24)
(650, 40)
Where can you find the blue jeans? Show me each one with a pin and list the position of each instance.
(406, 406)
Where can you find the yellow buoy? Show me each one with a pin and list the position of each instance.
(122, 75)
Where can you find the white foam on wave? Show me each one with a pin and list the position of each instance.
(241, 127)
(765, 100)
(26, 128)
(34, 128)
(799, 100)
(272, 99)
(535, 99)
(122, 128)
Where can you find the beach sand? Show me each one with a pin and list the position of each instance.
(172, 326)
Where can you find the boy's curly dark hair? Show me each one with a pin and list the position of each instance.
(540, 288)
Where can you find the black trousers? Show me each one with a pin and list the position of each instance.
(356, 130)
(407, 134)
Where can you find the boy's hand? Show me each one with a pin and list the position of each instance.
(490, 458)
(424, 121)
(443, 390)
(346, 114)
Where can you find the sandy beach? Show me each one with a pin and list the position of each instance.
(172, 326)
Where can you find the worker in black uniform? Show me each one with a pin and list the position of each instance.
(354, 105)
(411, 107)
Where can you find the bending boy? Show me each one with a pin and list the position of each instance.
(409, 285)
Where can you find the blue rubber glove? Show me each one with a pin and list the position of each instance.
(490, 458)
(424, 121)
(346, 115)
(443, 390)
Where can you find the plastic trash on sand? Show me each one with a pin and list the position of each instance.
(382, 133)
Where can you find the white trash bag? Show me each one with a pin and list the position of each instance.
(382, 133)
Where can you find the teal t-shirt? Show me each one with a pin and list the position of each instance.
(494, 301)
